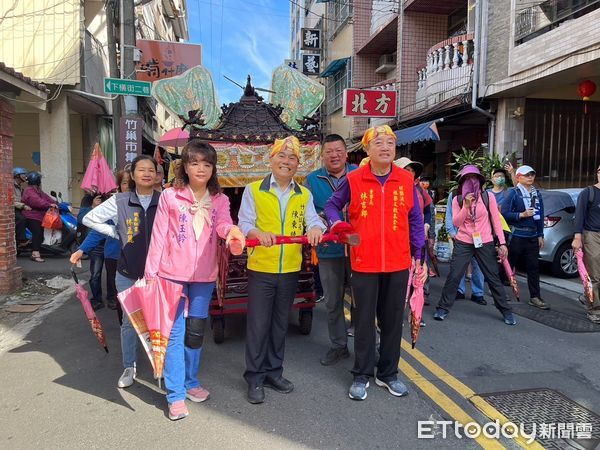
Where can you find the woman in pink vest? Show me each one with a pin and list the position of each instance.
(191, 216)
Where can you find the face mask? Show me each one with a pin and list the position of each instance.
(470, 186)
(499, 181)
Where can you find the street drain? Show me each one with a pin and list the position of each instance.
(560, 423)
(559, 320)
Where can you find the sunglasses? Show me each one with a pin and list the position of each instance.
(530, 174)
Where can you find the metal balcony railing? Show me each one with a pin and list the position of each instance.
(545, 15)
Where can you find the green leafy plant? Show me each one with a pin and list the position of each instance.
(479, 157)
(442, 235)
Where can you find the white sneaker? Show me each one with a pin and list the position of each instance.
(127, 378)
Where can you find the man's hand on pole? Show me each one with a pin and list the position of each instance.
(314, 235)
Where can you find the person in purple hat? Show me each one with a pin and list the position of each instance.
(479, 230)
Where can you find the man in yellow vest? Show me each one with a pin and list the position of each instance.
(276, 205)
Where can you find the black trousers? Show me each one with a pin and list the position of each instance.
(37, 234)
(528, 251)
(20, 226)
(486, 257)
(111, 274)
(270, 299)
(381, 296)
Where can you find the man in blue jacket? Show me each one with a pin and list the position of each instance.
(334, 264)
(523, 209)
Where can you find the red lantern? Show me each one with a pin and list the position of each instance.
(586, 89)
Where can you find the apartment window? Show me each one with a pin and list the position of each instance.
(536, 18)
(457, 22)
(338, 12)
(335, 87)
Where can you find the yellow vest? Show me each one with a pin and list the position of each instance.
(278, 258)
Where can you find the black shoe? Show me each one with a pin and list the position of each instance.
(256, 394)
(334, 355)
(279, 384)
(478, 299)
(460, 296)
(97, 305)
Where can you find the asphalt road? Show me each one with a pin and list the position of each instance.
(59, 389)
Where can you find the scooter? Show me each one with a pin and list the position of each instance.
(64, 240)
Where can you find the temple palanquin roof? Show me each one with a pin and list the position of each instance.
(251, 120)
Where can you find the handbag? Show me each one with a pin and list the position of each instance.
(52, 220)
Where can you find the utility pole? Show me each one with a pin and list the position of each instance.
(113, 70)
(127, 15)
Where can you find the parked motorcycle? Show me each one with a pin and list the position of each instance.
(61, 242)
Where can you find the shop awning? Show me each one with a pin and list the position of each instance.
(422, 132)
(334, 67)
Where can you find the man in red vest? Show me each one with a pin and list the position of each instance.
(383, 210)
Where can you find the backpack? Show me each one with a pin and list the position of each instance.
(591, 192)
(486, 202)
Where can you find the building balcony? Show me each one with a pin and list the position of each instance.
(444, 7)
(447, 73)
(541, 16)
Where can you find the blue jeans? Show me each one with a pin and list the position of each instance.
(476, 281)
(129, 338)
(96, 263)
(182, 362)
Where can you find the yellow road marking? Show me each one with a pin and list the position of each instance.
(448, 405)
(466, 392)
(440, 398)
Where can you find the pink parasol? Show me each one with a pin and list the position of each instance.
(174, 138)
(82, 295)
(510, 274)
(98, 176)
(417, 301)
(151, 308)
(585, 277)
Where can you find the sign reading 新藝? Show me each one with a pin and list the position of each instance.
(369, 103)
(127, 87)
(162, 59)
(130, 139)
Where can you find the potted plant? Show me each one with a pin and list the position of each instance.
(443, 248)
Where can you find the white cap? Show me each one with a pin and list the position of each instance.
(524, 170)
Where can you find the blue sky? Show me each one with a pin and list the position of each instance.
(239, 38)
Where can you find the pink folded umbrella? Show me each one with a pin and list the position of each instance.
(511, 277)
(174, 138)
(585, 277)
(417, 301)
(82, 295)
(98, 176)
(151, 307)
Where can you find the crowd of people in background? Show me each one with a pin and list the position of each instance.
(145, 230)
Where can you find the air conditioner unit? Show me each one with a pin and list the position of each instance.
(387, 63)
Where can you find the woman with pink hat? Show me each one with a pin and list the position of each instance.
(479, 229)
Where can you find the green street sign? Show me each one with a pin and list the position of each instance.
(127, 87)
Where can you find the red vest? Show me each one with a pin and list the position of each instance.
(379, 214)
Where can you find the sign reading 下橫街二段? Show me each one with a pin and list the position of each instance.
(130, 140)
(369, 103)
(162, 59)
(127, 87)
(311, 64)
(311, 39)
